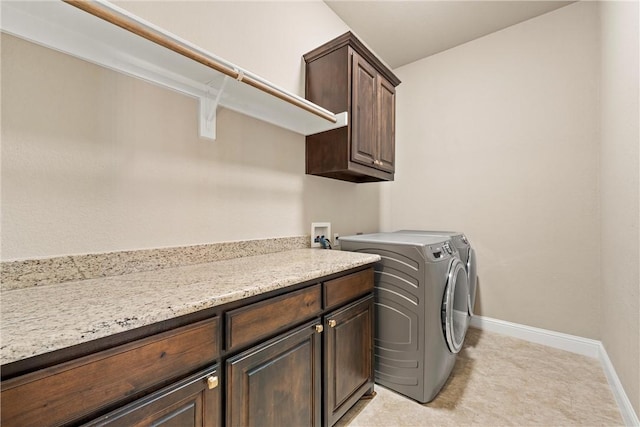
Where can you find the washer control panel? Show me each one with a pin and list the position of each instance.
(443, 251)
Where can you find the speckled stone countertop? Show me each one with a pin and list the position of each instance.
(41, 319)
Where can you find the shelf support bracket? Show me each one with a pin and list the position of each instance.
(209, 109)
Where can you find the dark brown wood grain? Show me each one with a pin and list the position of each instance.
(266, 318)
(327, 151)
(386, 124)
(342, 75)
(365, 113)
(277, 383)
(349, 39)
(187, 403)
(344, 289)
(332, 67)
(348, 347)
(71, 390)
(148, 380)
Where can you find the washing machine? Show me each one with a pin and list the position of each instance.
(421, 309)
(467, 255)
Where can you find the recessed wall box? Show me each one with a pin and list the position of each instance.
(319, 229)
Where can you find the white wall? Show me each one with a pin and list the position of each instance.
(94, 161)
(499, 138)
(620, 191)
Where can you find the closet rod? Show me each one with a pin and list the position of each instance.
(113, 16)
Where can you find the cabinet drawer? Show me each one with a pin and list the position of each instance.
(347, 288)
(75, 389)
(265, 318)
(194, 401)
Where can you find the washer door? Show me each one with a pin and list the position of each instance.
(472, 276)
(455, 304)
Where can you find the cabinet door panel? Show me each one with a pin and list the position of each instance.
(386, 124)
(277, 383)
(363, 134)
(349, 356)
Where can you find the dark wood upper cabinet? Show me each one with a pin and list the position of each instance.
(343, 75)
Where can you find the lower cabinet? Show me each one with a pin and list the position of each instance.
(193, 402)
(277, 383)
(283, 382)
(348, 345)
(297, 358)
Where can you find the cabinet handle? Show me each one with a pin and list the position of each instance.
(212, 382)
(332, 323)
(319, 328)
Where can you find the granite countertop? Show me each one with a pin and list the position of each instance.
(41, 319)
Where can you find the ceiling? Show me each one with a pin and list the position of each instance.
(403, 31)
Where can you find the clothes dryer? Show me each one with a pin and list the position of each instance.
(467, 255)
(421, 310)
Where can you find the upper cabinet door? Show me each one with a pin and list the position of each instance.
(386, 124)
(365, 114)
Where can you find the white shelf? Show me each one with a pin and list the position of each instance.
(112, 37)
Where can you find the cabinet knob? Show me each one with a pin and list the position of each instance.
(332, 323)
(319, 328)
(212, 382)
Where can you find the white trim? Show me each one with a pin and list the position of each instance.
(629, 416)
(162, 58)
(572, 343)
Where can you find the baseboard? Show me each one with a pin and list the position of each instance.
(626, 409)
(572, 343)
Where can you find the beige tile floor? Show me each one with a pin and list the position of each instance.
(502, 381)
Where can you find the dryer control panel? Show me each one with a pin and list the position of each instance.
(441, 251)
(447, 248)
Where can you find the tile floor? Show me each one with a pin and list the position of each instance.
(502, 381)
